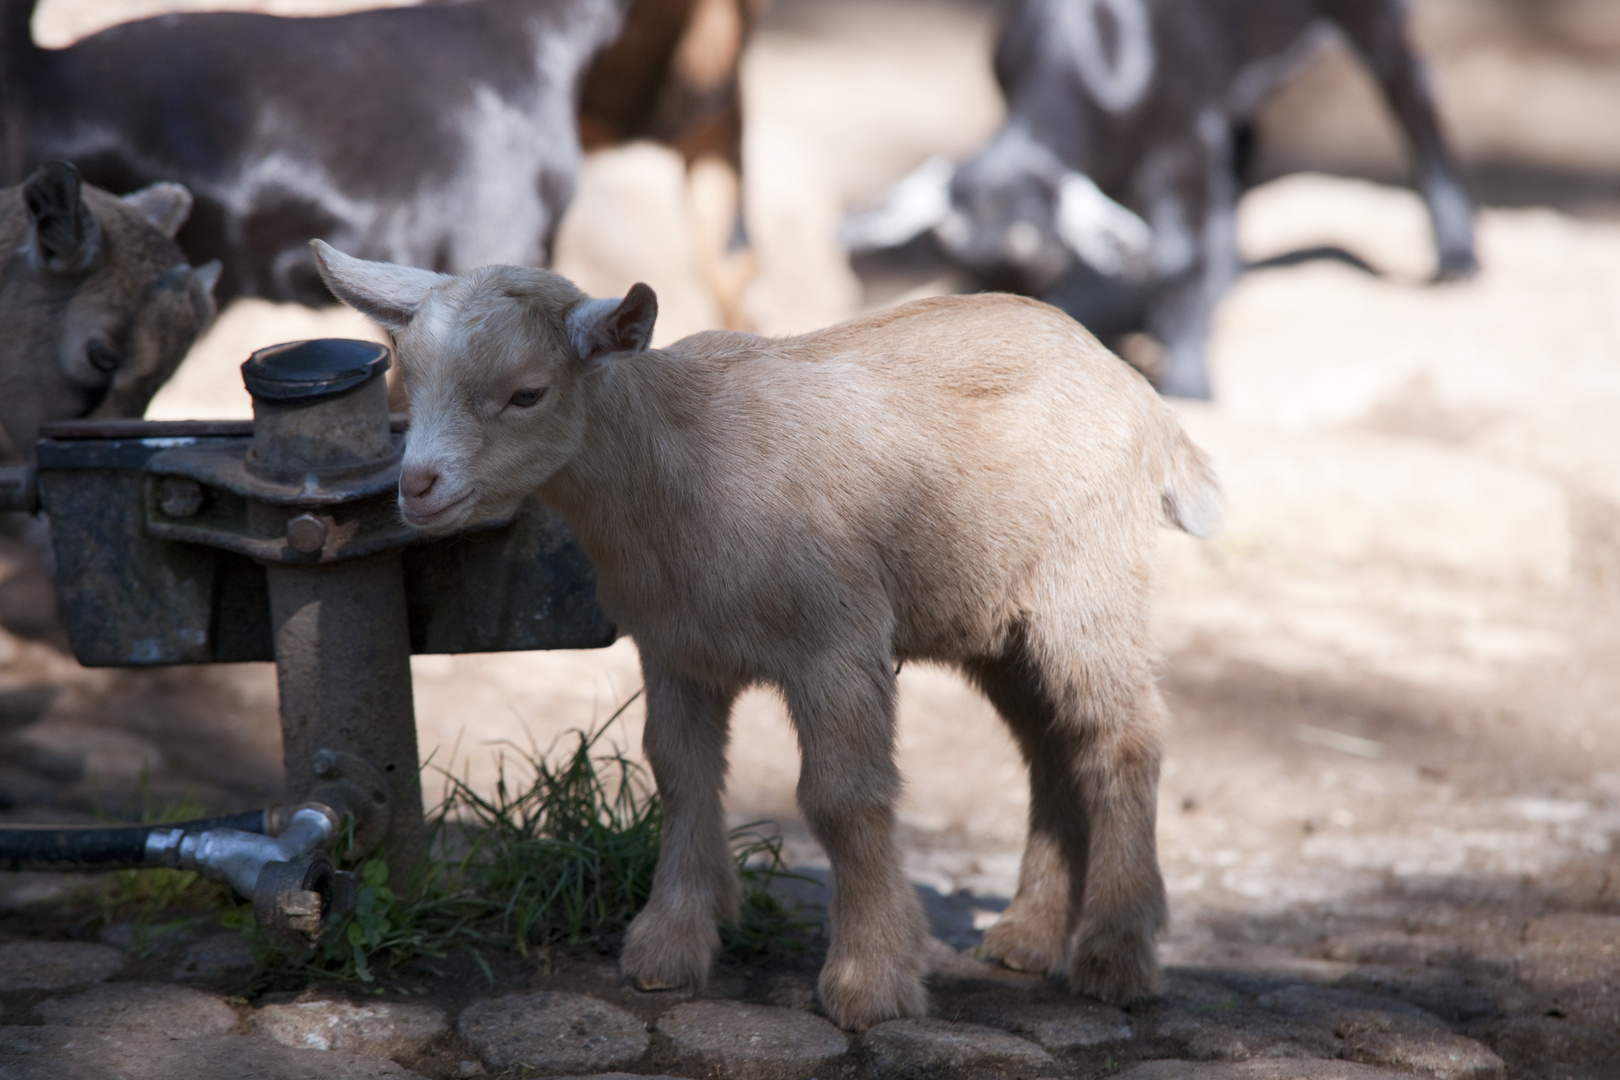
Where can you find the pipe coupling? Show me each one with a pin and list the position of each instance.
(289, 877)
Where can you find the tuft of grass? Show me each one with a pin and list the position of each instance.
(768, 926)
(569, 855)
(562, 850)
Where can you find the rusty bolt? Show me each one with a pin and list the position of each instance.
(306, 533)
(180, 497)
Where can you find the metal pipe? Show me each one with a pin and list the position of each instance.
(105, 847)
(289, 877)
(237, 857)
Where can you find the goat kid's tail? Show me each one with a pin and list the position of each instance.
(1192, 495)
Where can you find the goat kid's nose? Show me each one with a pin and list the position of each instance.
(416, 481)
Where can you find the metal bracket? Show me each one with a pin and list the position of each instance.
(214, 495)
(351, 785)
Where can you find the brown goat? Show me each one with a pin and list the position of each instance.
(968, 480)
(98, 302)
(673, 76)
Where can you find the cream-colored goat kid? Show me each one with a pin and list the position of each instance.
(968, 480)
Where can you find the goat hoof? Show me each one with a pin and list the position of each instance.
(1016, 944)
(661, 955)
(1117, 966)
(858, 994)
(1457, 266)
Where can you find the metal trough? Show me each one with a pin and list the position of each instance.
(197, 542)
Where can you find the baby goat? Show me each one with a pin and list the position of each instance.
(98, 303)
(967, 480)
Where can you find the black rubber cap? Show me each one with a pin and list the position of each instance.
(306, 370)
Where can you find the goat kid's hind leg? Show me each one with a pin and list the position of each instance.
(1032, 934)
(848, 782)
(672, 942)
(1089, 727)
(1122, 904)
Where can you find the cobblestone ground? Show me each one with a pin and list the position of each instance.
(1392, 782)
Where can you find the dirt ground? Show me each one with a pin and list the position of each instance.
(1393, 760)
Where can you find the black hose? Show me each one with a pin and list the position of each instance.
(101, 847)
(1326, 253)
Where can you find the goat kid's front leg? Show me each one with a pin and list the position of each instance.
(848, 782)
(672, 942)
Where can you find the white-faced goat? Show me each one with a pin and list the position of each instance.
(972, 481)
(1111, 187)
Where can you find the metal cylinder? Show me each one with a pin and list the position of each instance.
(318, 405)
(342, 643)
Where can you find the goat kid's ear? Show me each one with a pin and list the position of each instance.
(387, 293)
(166, 205)
(203, 280)
(66, 235)
(597, 328)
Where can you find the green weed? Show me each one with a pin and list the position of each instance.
(768, 926)
(562, 850)
(569, 855)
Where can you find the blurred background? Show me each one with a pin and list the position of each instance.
(1393, 674)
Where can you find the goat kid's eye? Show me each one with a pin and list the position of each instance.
(103, 357)
(526, 397)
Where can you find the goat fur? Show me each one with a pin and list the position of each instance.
(439, 134)
(1111, 187)
(972, 481)
(98, 302)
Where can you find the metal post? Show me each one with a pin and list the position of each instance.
(342, 644)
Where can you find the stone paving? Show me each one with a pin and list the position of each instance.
(78, 1019)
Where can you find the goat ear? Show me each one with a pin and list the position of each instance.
(387, 293)
(203, 280)
(66, 236)
(166, 205)
(599, 327)
(207, 275)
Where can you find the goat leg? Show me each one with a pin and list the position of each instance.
(847, 786)
(672, 942)
(1377, 29)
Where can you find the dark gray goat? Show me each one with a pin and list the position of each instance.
(440, 136)
(1110, 188)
